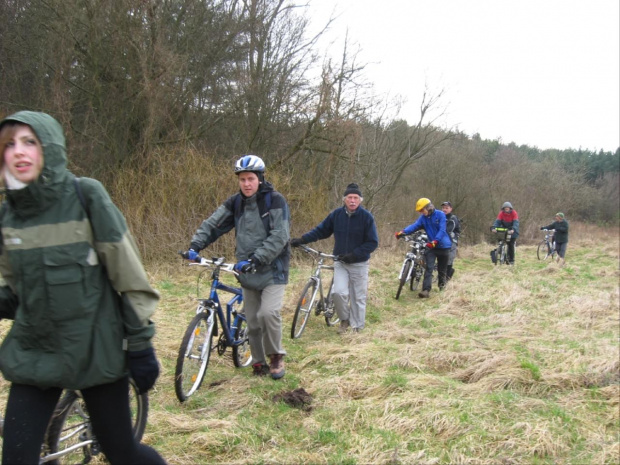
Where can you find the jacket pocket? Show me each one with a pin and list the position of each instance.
(65, 282)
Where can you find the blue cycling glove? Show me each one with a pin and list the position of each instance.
(191, 255)
(245, 266)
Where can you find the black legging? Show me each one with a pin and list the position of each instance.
(30, 408)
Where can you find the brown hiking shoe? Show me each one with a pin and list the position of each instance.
(344, 326)
(276, 367)
(424, 294)
(260, 369)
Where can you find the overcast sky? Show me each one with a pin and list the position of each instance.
(544, 73)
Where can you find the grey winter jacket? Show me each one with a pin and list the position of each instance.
(270, 247)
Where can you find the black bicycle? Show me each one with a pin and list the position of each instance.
(198, 340)
(412, 269)
(499, 255)
(313, 298)
(546, 248)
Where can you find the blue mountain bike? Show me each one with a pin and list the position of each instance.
(200, 340)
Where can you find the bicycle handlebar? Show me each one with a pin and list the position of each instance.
(312, 251)
(215, 262)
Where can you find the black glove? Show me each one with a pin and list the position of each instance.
(348, 258)
(143, 368)
(542, 228)
(297, 241)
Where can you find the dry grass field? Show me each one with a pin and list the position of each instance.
(507, 365)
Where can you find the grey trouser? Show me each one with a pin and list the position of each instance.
(561, 248)
(452, 254)
(262, 311)
(350, 288)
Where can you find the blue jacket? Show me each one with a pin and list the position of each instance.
(353, 232)
(435, 227)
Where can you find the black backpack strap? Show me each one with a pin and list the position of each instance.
(264, 211)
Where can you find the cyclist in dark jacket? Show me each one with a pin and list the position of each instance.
(508, 218)
(453, 228)
(260, 217)
(76, 288)
(561, 235)
(439, 243)
(355, 235)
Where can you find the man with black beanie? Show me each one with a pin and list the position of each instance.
(355, 238)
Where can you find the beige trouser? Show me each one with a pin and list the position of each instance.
(262, 311)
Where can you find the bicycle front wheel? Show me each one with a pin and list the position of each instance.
(242, 355)
(543, 250)
(305, 306)
(404, 273)
(194, 354)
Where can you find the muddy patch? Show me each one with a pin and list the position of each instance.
(298, 398)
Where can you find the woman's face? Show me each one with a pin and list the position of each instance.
(23, 155)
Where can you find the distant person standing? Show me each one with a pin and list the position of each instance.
(438, 246)
(453, 228)
(355, 236)
(508, 218)
(561, 235)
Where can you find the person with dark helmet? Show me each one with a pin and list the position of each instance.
(508, 218)
(438, 246)
(453, 228)
(260, 216)
(355, 238)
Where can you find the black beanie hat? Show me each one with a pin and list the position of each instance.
(352, 189)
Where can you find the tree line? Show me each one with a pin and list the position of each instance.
(159, 97)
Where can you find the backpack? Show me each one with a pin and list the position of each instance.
(263, 209)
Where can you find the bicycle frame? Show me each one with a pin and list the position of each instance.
(228, 321)
(502, 244)
(308, 299)
(413, 257)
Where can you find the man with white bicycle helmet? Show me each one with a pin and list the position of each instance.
(262, 255)
(433, 221)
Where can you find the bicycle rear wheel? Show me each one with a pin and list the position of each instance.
(331, 317)
(194, 354)
(404, 274)
(242, 356)
(305, 305)
(543, 252)
(70, 428)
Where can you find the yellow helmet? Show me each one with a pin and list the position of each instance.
(420, 204)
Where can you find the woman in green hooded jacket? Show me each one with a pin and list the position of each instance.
(75, 285)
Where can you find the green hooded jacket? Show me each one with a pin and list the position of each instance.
(73, 277)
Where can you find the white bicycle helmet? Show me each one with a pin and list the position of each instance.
(250, 163)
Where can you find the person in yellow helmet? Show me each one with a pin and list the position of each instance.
(433, 221)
